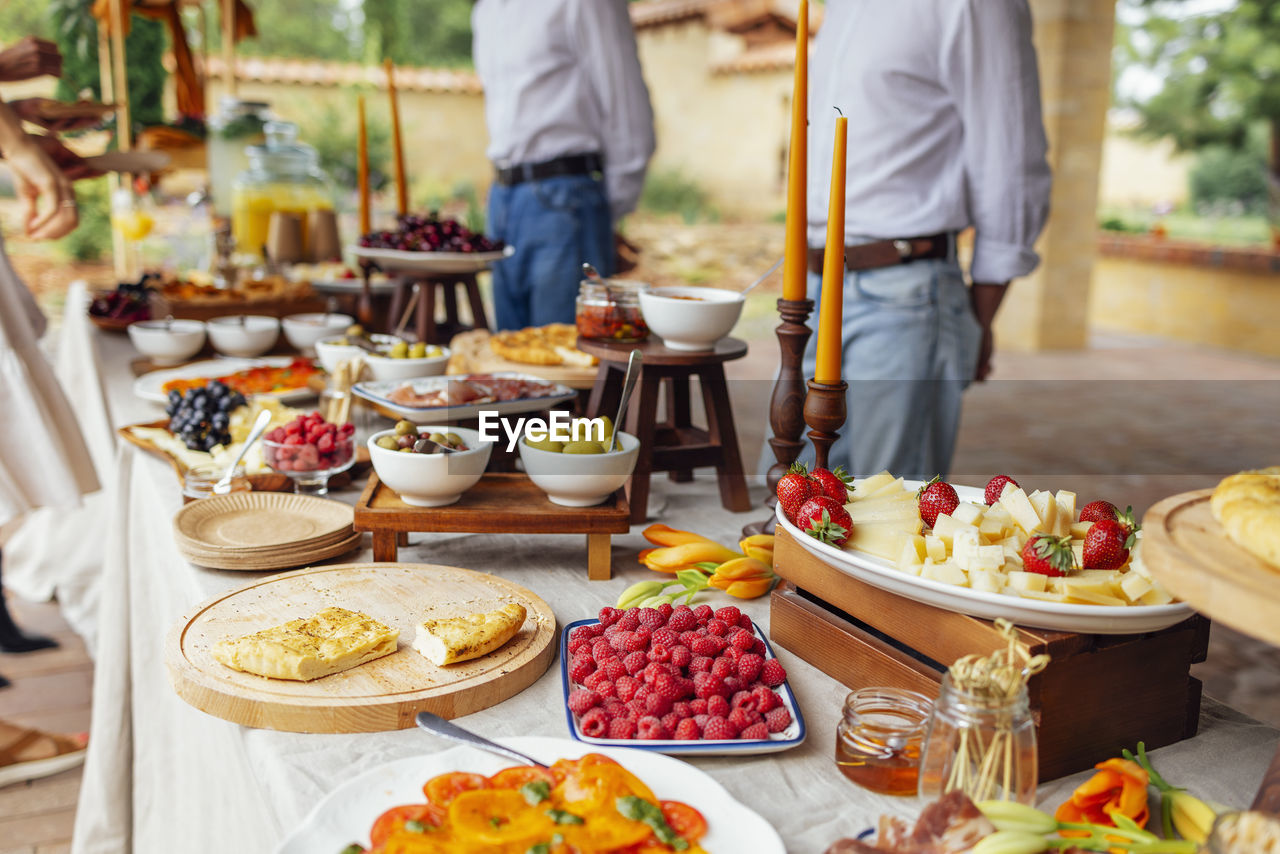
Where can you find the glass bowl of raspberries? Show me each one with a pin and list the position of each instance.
(310, 450)
(677, 680)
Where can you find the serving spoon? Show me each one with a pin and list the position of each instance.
(437, 725)
(767, 274)
(223, 486)
(628, 386)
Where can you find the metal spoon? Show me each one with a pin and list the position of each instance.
(766, 275)
(437, 725)
(628, 385)
(260, 423)
(591, 272)
(424, 444)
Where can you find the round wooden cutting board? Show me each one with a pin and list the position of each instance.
(383, 694)
(1186, 550)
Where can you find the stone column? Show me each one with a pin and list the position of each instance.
(1049, 309)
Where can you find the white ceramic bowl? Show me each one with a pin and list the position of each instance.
(167, 342)
(431, 480)
(302, 331)
(381, 368)
(688, 317)
(580, 480)
(254, 336)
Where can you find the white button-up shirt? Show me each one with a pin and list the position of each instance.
(945, 131)
(563, 77)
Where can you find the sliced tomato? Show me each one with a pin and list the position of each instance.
(444, 788)
(518, 775)
(395, 819)
(684, 820)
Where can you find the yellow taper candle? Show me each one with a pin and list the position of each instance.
(831, 307)
(402, 182)
(362, 167)
(796, 254)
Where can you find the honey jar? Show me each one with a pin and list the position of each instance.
(879, 739)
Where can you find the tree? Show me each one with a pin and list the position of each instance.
(418, 32)
(308, 29)
(77, 38)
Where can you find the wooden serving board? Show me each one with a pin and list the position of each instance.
(381, 695)
(470, 354)
(1188, 551)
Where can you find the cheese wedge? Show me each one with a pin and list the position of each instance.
(333, 640)
(457, 639)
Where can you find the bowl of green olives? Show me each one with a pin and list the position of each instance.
(581, 472)
(386, 357)
(429, 465)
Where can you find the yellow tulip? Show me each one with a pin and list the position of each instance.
(664, 535)
(758, 546)
(1192, 817)
(676, 558)
(743, 577)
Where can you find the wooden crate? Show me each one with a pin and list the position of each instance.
(1099, 694)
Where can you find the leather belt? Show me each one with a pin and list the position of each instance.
(571, 164)
(887, 253)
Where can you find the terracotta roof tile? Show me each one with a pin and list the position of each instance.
(769, 57)
(653, 13)
(324, 73)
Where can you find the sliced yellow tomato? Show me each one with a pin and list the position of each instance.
(444, 788)
(498, 817)
(518, 775)
(596, 788)
(604, 831)
(408, 842)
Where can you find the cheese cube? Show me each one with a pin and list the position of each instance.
(988, 557)
(912, 556)
(947, 573)
(992, 528)
(945, 527)
(1066, 501)
(1157, 595)
(968, 513)
(985, 581)
(1080, 529)
(1134, 586)
(1044, 595)
(867, 485)
(964, 547)
(1026, 581)
(1077, 548)
(1019, 507)
(935, 548)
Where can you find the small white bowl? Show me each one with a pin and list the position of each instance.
(690, 318)
(380, 368)
(431, 480)
(302, 331)
(244, 336)
(167, 342)
(580, 480)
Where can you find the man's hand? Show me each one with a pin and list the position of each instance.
(986, 300)
(30, 57)
(72, 165)
(626, 255)
(36, 178)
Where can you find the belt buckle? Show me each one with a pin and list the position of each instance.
(903, 248)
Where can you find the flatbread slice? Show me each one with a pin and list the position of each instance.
(455, 639)
(333, 640)
(1248, 506)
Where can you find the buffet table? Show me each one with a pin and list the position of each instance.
(163, 776)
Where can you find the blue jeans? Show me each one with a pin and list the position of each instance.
(554, 224)
(910, 349)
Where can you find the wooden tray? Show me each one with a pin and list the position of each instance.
(1100, 692)
(1186, 550)
(162, 306)
(470, 354)
(381, 695)
(500, 503)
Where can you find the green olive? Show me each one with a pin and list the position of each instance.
(399, 350)
(583, 448)
(404, 428)
(408, 450)
(418, 351)
(453, 439)
(439, 438)
(546, 445)
(387, 442)
(355, 330)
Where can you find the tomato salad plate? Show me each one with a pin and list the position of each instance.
(280, 377)
(1061, 616)
(391, 802)
(463, 396)
(708, 702)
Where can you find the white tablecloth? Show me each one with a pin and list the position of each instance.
(162, 776)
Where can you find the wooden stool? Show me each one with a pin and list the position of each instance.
(674, 446)
(428, 331)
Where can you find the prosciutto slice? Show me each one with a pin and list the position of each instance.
(950, 825)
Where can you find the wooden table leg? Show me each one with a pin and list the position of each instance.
(451, 304)
(640, 424)
(479, 319)
(715, 397)
(384, 546)
(599, 566)
(399, 297)
(605, 392)
(426, 327)
(402, 539)
(679, 415)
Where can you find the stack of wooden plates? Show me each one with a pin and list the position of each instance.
(258, 531)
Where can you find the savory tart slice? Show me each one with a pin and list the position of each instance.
(455, 639)
(333, 640)
(1247, 505)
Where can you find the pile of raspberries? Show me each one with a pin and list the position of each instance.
(674, 673)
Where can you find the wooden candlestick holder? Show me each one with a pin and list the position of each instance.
(786, 406)
(825, 411)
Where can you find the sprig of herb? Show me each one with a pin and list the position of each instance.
(638, 809)
(535, 792)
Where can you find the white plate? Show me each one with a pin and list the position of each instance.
(1064, 617)
(432, 262)
(376, 392)
(347, 813)
(776, 742)
(353, 286)
(151, 386)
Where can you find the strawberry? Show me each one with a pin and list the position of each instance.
(794, 489)
(833, 484)
(1107, 545)
(825, 519)
(1048, 555)
(773, 673)
(935, 497)
(1096, 511)
(1129, 524)
(995, 486)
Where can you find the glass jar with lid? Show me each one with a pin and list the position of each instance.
(1250, 832)
(609, 310)
(879, 738)
(284, 176)
(237, 124)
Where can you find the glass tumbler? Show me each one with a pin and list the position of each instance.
(198, 481)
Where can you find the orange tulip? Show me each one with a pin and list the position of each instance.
(743, 577)
(664, 535)
(1119, 786)
(758, 546)
(676, 558)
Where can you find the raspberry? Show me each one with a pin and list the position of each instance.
(626, 687)
(705, 645)
(665, 610)
(666, 685)
(773, 674)
(581, 633)
(777, 719)
(749, 667)
(629, 620)
(633, 641)
(594, 630)
(687, 730)
(742, 639)
(759, 647)
(576, 645)
(733, 685)
(657, 705)
(651, 617)
(686, 686)
(664, 637)
(634, 662)
(742, 719)
(613, 668)
(698, 706)
(701, 720)
(682, 708)
(717, 628)
(701, 664)
(705, 685)
(719, 728)
(613, 708)
(651, 728)
(595, 680)
(581, 667)
(653, 670)
(689, 638)
(766, 700)
(605, 687)
(609, 616)
(670, 721)
(659, 653)
(756, 732)
(602, 650)
(718, 706)
(703, 613)
(594, 723)
(682, 619)
(728, 615)
(642, 636)
(733, 654)
(636, 709)
(619, 640)
(722, 667)
(745, 622)
(744, 700)
(681, 656)
(582, 699)
(622, 728)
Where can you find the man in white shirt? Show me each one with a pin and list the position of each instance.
(945, 132)
(570, 133)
